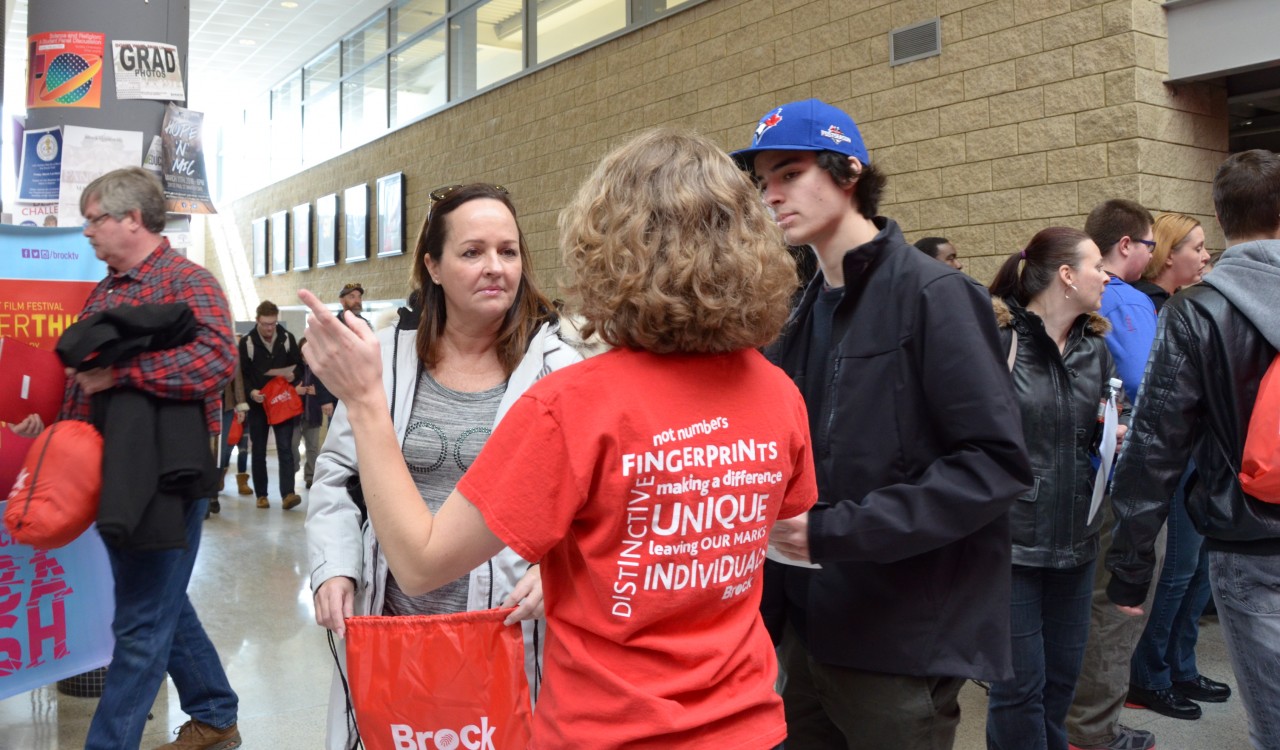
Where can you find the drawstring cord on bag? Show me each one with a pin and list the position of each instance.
(353, 732)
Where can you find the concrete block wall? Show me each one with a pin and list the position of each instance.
(1035, 111)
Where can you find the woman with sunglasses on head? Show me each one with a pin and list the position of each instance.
(1046, 299)
(645, 479)
(484, 335)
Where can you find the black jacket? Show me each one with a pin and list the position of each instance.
(1196, 399)
(919, 455)
(256, 358)
(1058, 394)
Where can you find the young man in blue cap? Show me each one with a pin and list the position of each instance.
(919, 452)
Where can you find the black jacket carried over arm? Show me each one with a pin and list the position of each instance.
(1196, 399)
(919, 455)
(156, 452)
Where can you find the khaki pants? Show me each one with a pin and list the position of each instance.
(1113, 635)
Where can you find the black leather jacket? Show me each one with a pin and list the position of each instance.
(1058, 394)
(1196, 398)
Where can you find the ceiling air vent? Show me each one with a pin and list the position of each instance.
(915, 42)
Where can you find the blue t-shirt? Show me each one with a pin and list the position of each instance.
(1133, 330)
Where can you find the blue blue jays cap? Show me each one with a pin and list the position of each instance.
(809, 125)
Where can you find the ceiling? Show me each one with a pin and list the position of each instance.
(238, 48)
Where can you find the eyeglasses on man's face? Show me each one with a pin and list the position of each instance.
(1151, 244)
(96, 221)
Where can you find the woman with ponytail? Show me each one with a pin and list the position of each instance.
(1045, 297)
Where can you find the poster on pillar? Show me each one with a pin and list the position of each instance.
(40, 173)
(64, 69)
(147, 70)
(56, 605)
(186, 189)
(87, 154)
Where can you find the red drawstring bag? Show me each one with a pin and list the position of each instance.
(1260, 465)
(235, 432)
(280, 400)
(441, 681)
(55, 497)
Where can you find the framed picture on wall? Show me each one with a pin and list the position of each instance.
(302, 237)
(327, 230)
(391, 214)
(260, 247)
(355, 208)
(279, 242)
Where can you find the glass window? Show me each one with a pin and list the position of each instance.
(647, 10)
(409, 17)
(566, 25)
(320, 135)
(286, 126)
(419, 81)
(364, 104)
(322, 73)
(486, 44)
(367, 44)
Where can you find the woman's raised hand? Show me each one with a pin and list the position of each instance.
(343, 354)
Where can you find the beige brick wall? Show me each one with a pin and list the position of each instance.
(1035, 111)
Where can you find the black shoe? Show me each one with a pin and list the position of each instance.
(1203, 689)
(1166, 702)
(216, 507)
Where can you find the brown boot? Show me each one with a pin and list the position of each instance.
(291, 501)
(263, 502)
(242, 483)
(196, 735)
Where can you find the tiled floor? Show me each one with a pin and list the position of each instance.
(250, 590)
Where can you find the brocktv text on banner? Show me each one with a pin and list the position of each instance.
(186, 189)
(41, 171)
(147, 70)
(87, 154)
(55, 606)
(64, 69)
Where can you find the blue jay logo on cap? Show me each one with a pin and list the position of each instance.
(836, 135)
(767, 122)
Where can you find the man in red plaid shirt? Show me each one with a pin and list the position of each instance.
(155, 626)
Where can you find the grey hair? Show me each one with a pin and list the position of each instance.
(131, 189)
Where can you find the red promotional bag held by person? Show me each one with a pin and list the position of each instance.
(235, 432)
(439, 681)
(1260, 464)
(280, 400)
(55, 497)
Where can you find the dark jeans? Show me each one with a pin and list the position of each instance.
(157, 630)
(1050, 616)
(830, 707)
(1167, 651)
(284, 451)
(242, 448)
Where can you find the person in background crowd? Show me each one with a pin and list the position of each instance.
(352, 300)
(940, 248)
(268, 352)
(919, 455)
(1215, 341)
(310, 424)
(1122, 231)
(1044, 298)
(1165, 657)
(234, 408)
(487, 335)
(676, 265)
(155, 627)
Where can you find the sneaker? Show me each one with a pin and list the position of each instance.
(263, 502)
(1125, 739)
(291, 500)
(196, 735)
(215, 506)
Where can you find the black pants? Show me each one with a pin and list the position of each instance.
(284, 451)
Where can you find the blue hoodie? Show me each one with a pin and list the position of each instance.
(1133, 329)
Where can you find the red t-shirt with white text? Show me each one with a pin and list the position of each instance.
(646, 485)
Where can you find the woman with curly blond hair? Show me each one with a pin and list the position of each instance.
(644, 479)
